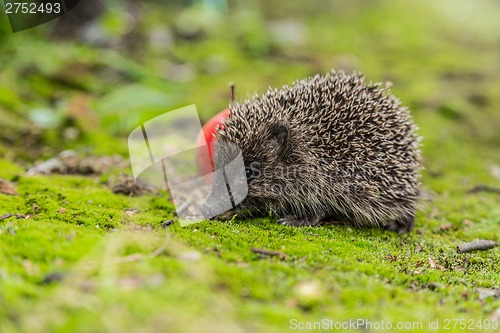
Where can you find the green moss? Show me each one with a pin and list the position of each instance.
(10, 170)
(78, 262)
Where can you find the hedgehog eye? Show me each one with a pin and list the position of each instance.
(249, 173)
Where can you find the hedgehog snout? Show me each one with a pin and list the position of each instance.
(229, 188)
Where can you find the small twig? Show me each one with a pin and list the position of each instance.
(6, 216)
(278, 254)
(232, 95)
(484, 188)
(17, 216)
(479, 244)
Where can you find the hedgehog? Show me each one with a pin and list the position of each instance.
(326, 149)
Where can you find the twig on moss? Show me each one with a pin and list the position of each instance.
(17, 216)
(278, 254)
(484, 188)
(479, 244)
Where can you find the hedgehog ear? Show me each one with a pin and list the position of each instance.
(279, 134)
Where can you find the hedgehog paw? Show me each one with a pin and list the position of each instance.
(306, 221)
(402, 225)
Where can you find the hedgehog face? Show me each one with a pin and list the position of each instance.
(268, 161)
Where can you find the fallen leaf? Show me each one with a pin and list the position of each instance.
(30, 268)
(7, 188)
(391, 257)
(495, 315)
(131, 211)
(432, 263)
(441, 268)
(468, 222)
(446, 226)
(495, 171)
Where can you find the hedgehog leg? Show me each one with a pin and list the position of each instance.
(304, 221)
(402, 225)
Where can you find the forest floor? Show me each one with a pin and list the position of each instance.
(77, 257)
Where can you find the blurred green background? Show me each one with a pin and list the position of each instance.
(83, 82)
(127, 62)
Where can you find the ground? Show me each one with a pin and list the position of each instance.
(80, 258)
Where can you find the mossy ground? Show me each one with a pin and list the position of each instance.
(80, 263)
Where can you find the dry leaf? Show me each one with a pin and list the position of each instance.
(446, 226)
(495, 171)
(495, 315)
(441, 268)
(468, 222)
(7, 188)
(432, 262)
(131, 211)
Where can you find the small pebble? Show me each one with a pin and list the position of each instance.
(308, 293)
(485, 293)
(52, 277)
(191, 256)
(167, 223)
(433, 285)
